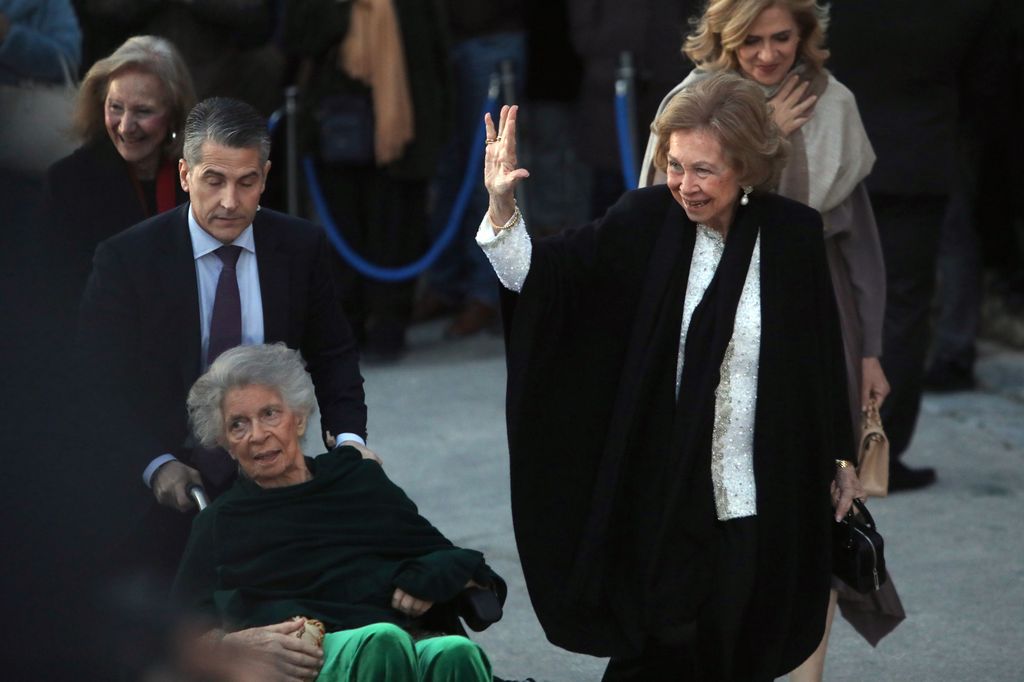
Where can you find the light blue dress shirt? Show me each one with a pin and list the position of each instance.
(208, 267)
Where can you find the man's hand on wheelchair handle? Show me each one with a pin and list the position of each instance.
(171, 483)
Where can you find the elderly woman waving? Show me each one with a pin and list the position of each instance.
(328, 540)
(780, 46)
(671, 509)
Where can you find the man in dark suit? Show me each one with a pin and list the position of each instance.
(167, 295)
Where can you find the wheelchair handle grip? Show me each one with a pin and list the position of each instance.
(197, 493)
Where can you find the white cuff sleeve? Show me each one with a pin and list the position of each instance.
(509, 252)
(349, 436)
(147, 474)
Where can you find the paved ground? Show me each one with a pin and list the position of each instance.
(956, 550)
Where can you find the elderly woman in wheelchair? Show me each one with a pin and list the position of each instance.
(300, 547)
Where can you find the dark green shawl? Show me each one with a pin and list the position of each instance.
(333, 548)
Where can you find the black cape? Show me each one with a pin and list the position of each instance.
(333, 548)
(610, 551)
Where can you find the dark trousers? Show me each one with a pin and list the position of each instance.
(959, 291)
(711, 649)
(385, 220)
(909, 228)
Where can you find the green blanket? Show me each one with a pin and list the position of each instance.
(333, 548)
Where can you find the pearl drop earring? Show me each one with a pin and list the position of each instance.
(745, 199)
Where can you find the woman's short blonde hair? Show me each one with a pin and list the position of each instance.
(148, 54)
(735, 111)
(724, 26)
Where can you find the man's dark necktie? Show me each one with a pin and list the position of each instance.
(214, 464)
(226, 322)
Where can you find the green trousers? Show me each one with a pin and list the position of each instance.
(386, 653)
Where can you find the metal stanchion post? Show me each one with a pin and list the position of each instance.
(508, 81)
(291, 96)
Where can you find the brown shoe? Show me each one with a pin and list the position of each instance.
(431, 306)
(474, 318)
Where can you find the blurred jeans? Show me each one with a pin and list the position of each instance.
(959, 286)
(462, 271)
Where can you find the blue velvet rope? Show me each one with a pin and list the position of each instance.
(629, 173)
(275, 120)
(399, 274)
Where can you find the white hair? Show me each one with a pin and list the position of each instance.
(274, 366)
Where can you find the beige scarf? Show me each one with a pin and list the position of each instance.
(372, 53)
(830, 154)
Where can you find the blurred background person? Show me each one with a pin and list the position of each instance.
(977, 216)
(40, 46)
(601, 30)
(231, 48)
(129, 116)
(376, 91)
(35, 37)
(225, 43)
(560, 194)
(486, 39)
(910, 86)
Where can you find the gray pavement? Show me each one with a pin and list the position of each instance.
(956, 550)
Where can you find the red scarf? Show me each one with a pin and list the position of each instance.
(166, 194)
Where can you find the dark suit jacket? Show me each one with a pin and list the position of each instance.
(914, 65)
(139, 330)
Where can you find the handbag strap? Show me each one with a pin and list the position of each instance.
(862, 509)
(871, 428)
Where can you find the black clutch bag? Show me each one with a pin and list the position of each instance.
(858, 557)
(479, 607)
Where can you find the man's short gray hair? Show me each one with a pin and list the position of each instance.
(274, 366)
(227, 122)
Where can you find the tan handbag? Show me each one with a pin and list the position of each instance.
(873, 455)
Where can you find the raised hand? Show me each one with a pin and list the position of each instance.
(501, 171)
(791, 107)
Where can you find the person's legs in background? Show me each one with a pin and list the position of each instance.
(383, 219)
(399, 221)
(560, 181)
(345, 191)
(909, 230)
(463, 278)
(959, 299)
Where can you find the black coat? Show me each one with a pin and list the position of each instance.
(140, 332)
(90, 197)
(590, 497)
